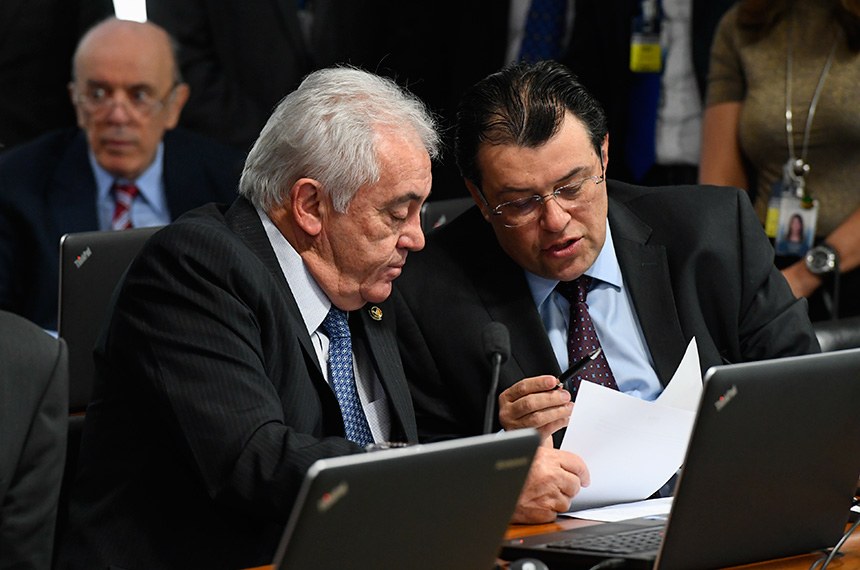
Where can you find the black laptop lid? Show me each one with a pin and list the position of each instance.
(441, 505)
(772, 464)
(770, 471)
(91, 264)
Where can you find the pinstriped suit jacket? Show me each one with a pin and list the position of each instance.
(210, 404)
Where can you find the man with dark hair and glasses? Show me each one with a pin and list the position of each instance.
(124, 167)
(571, 261)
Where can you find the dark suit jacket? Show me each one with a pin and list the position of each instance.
(436, 49)
(696, 263)
(47, 189)
(240, 58)
(599, 54)
(210, 404)
(37, 40)
(34, 396)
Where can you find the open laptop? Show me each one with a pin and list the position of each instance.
(770, 471)
(91, 264)
(425, 507)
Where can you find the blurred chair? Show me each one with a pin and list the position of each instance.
(440, 212)
(838, 334)
(34, 397)
(70, 471)
(91, 264)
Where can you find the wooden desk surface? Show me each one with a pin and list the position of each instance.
(849, 560)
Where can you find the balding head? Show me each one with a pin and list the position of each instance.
(153, 39)
(127, 93)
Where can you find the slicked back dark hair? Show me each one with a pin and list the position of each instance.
(524, 105)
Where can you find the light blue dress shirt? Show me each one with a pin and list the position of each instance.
(614, 318)
(148, 209)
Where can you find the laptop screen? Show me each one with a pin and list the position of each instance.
(770, 471)
(440, 505)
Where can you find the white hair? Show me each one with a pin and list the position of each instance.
(327, 130)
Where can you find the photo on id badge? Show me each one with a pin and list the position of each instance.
(796, 226)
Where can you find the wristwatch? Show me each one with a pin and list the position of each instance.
(822, 259)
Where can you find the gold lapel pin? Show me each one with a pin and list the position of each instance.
(375, 313)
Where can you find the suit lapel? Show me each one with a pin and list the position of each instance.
(502, 286)
(73, 190)
(646, 275)
(184, 188)
(382, 343)
(244, 221)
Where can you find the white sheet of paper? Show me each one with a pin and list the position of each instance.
(685, 389)
(632, 447)
(624, 511)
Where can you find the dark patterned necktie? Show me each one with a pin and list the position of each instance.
(342, 377)
(544, 30)
(123, 195)
(582, 337)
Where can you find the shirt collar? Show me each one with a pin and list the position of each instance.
(149, 182)
(313, 303)
(605, 269)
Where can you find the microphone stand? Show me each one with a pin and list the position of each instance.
(491, 393)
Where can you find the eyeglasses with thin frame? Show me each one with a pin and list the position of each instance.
(140, 102)
(522, 211)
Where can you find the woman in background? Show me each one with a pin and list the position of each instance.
(770, 56)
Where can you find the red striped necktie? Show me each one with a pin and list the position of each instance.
(124, 195)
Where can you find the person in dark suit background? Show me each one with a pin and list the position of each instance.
(213, 394)
(128, 96)
(661, 266)
(34, 396)
(599, 54)
(37, 39)
(437, 50)
(240, 58)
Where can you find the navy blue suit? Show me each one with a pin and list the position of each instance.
(47, 189)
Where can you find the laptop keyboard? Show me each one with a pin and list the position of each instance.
(643, 540)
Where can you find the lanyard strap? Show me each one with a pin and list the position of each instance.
(800, 167)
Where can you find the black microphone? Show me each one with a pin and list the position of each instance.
(497, 347)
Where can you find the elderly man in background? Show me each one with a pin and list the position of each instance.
(124, 167)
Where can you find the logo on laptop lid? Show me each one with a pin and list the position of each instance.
(330, 498)
(724, 400)
(83, 257)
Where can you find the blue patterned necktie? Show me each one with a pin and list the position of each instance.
(582, 337)
(544, 30)
(342, 378)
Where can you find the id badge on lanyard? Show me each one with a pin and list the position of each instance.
(792, 215)
(645, 52)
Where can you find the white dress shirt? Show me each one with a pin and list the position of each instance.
(314, 306)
